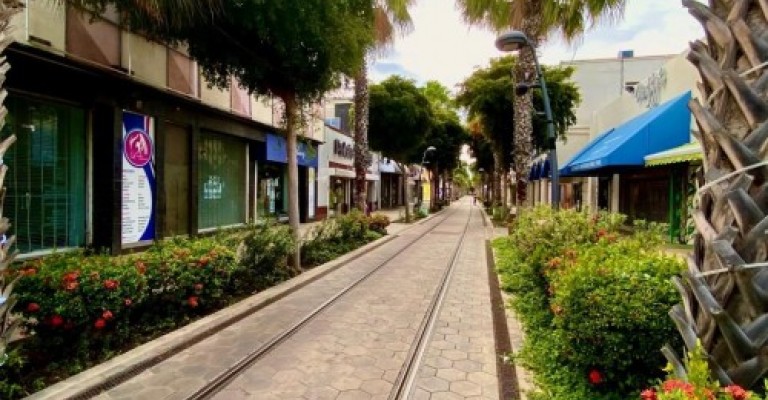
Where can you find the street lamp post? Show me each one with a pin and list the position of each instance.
(421, 170)
(515, 41)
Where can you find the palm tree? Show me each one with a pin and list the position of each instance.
(537, 19)
(390, 17)
(8, 324)
(725, 290)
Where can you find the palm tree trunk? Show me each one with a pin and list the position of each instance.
(406, 193)
(291, 119)
(362, 158)
(523, 108)
(8, 322)
(727, 310)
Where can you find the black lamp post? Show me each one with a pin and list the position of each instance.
(421, 169)
(515, 41)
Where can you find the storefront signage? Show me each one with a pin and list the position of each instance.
(277, 151)
(138, 179)
(648, 93)
(343, 149)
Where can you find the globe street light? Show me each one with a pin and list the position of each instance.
(515, 41)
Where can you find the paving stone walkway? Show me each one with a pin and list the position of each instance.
(356, 348)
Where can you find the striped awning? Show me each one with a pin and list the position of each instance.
(680, 154)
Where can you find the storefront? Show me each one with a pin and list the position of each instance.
(272, 173)
(391, 184)
(337, 173)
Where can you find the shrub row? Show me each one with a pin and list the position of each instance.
(81, 309)
(593, 303)
(338, 236)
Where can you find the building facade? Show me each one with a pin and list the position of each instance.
(121, 141)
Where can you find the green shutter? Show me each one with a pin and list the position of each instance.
(221, 181)
(46, 179)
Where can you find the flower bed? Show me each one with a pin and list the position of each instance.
(593, 303)
(83, 309)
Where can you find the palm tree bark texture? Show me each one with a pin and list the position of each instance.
(362, 156)
(725, 289)
(523, 106)
(9, 323)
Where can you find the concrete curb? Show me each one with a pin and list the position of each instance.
(121, 368)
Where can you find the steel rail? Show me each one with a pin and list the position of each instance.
(224, 378)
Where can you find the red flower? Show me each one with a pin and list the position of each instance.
(192, 301)
(33, 307)
(71, 276)
(648, 394)
(198, 287)
(127, 302)
(100, 323)
(737, 392)
(673, 385)
(56, 321)
(203, 261)
(71, 286)
(111, 284)
(28, 271)
(595, 377)
(107, 315)
(601, 232)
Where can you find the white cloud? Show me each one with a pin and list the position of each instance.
(443, 48)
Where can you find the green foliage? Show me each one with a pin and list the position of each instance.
(263, 254)
(592, 303)
(400, 118)
(286, 48)
(378, 223)
(338, 236)
(697, 384)
(488, 95)
(83, 309)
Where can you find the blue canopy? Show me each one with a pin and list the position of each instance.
(546, 170)
(661, 128)
(534, 174)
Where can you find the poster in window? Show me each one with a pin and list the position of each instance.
(139, 182)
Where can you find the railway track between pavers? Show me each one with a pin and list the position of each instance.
(403, 384)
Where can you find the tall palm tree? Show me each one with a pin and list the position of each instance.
(568, 19)
(390, 17)
(725, 290)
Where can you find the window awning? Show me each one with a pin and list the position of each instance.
(680, 154)
(661, 128)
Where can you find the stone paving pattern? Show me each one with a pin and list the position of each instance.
(460, 362)
(356, 348)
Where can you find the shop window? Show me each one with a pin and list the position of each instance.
(271, 191)
(45, 198)
(93, 39)
(221, 181)
(176, 180)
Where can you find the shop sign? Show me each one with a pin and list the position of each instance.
(139, 184)
(213, 188)
(277, 151)
(343, 149)
(648, 93)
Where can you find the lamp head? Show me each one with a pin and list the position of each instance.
(511, 41)
(430, 148)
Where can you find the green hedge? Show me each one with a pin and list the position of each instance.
(338, 236)
(593, 303)
(83, 309)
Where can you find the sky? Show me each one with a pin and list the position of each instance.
(443, 48)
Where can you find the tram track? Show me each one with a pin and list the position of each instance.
(410, 366)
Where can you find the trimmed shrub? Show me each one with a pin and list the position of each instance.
(378, 223)
(593, 303)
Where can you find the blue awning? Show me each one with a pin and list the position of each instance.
(545, 170)
(661, 128)
(534, 174)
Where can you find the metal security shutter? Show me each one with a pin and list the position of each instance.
(221, 181)
(46, 179)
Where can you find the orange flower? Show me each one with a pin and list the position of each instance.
(111, 284)
(141, 267)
